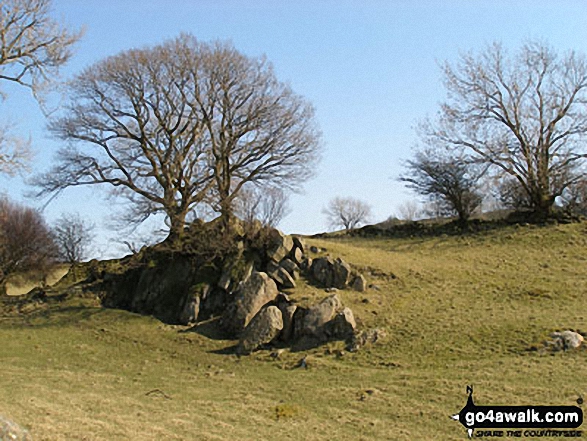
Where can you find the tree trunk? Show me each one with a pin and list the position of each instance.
(176, 227)
(544, 208)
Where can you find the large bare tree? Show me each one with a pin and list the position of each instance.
(33, 47)
(524, 115)
(180, 124)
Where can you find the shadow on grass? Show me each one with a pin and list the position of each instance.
(229, 350)
(210, 328)
(54, 316)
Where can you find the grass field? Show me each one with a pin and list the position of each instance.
(456, 310)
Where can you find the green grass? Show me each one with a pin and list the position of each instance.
(457, 311)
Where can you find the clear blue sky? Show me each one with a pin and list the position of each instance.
(369, 67)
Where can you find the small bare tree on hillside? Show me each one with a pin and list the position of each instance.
(451, 181)
(409, 211)
(26, 242)
(73, 237)
(32, 49)
(347, 212)
(180, 124)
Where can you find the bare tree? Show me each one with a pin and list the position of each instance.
(32, 49)
(512, 195)
(73, 237)
(574, 199)
(347, 212)
(26, 242)
(448, 180)
(267, 205)
(15, 152)
(409, 210)
(524, 116)
(181, 124)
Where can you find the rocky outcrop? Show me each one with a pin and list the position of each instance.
(263, 328)
(283, 279)
(239, 283)
(287, 313)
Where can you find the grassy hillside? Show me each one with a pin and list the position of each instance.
(20, 284)
(457, 311)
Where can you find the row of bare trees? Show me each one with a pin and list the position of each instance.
(186, 125)
(28, 243)
(518, 121)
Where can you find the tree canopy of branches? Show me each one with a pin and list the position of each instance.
(523, 115)
(73, 237)
(347, 212)
(446, 180)
(26, 242)
(266, 205)
(180, 124)
(32, 49)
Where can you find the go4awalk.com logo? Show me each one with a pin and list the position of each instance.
(519, 421)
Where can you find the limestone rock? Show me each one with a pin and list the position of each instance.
(299, 243)
(331, 273)
(225, 279)
(283, 279)
(306, 264)
(190, 311)
(320, 314)
(297, 256)
(291, 267)
(250, 297)
(322, 271)
(287, 314)
(342, 273)
(566, 340)
(279, 245)
(360, 283)
(262, 329)
(342, 326)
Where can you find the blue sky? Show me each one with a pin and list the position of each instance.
(369, 67)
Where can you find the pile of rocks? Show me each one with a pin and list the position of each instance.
(288, 258)
(260, 314)
(248, 288)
